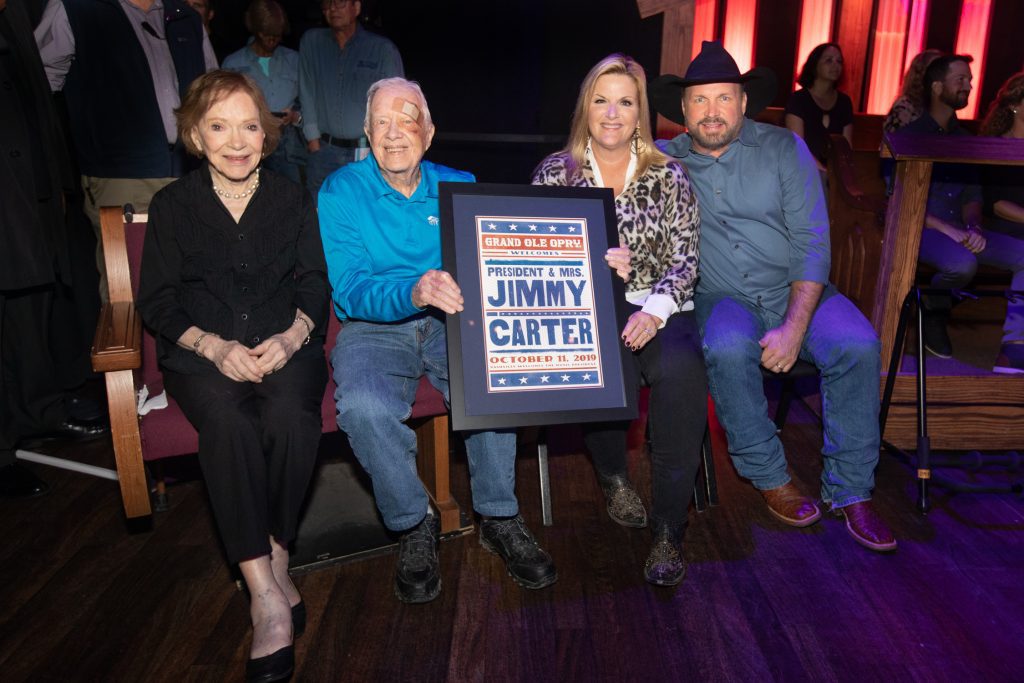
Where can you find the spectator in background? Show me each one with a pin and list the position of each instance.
(819, 109)
(1004, 185)
(34, 172)
(953, 241)
(205, 10)
(337, 65)
(126, 66)
(909, 106)
(275, 69)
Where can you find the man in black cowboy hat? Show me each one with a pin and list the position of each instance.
(763, 297)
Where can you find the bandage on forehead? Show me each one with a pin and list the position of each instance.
(410, 109)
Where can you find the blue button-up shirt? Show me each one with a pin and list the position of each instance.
(953, 185)
(378, 242)
(333, 81)
(763, 221)
(280, 84)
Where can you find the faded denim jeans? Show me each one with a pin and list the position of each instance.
(377, 368)
(843, 346)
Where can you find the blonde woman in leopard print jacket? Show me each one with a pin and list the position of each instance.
(610, 145)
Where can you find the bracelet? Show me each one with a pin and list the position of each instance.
(195, 344)
(309, 330)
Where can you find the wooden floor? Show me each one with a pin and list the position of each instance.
(81, 599)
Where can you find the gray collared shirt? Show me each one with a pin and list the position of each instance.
(764, 223)
(333, 81)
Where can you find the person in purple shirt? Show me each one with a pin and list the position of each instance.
(763, 298)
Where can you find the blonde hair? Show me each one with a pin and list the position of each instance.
(913, 82)
(579, 132)
(1000, 115)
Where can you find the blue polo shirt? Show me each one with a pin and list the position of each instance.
(763, 221)
(333, 81)
(377, 241)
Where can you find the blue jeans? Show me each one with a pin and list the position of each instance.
(323, 163)
(957, 265)
(843, 346)
(377, 368)
(289, 156)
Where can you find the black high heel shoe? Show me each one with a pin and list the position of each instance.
(299, 619)
(277, 666)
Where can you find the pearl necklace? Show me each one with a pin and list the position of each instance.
(240, 195)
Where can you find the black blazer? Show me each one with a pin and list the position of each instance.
(243, 281)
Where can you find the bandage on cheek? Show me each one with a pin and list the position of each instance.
(410, 109)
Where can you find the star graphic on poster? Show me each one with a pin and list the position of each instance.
(502, 380)
(572, 228)
(586, 376)
(492, 226)
(565, 378)
(523, 380)
(533, 228)
(552, 228)
(513, 227)
(544, 379)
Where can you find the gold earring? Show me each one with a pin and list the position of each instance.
(637, 144)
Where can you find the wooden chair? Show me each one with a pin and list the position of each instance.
(125, 352)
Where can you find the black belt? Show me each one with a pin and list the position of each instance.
(341, 142)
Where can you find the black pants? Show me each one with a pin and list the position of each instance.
(31, 396)
(257, 448)
(673, 366)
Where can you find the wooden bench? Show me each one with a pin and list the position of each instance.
(125, 352)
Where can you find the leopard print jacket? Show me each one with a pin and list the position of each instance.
(658, 221)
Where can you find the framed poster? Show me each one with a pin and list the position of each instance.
(538, 341)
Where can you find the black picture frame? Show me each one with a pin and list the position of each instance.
(539, 297)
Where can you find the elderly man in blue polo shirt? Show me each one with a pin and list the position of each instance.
(763, 297)
(336, 66)
(381, 236)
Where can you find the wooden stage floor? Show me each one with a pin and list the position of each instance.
(84, 600)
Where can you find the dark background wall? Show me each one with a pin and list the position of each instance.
(510, 69)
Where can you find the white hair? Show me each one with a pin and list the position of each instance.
(398, 83)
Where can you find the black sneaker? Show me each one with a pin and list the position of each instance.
(936, 336)
(527, 563)
(418, 576)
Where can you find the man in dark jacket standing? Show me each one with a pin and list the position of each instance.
(34, 259)
(127, 65)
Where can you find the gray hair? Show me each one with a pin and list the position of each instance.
(400, 83)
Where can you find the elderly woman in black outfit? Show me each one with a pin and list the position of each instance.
(234, 285)
(610, 145)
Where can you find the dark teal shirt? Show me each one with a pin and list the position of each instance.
(763, 219)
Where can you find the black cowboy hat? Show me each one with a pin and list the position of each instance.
(712, 65)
